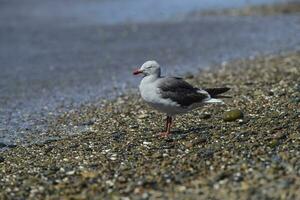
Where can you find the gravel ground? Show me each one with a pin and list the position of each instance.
(118, 154)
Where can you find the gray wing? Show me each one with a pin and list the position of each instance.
(180, 91)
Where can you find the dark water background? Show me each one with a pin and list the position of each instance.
(55, 55)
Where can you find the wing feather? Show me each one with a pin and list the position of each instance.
(180, 91)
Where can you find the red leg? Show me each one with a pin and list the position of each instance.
(167, 124)
(168, 127)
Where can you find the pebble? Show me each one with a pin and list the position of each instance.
(118, 136)
(109, 183)
(143, 116)
(238, 177)
(89, 174)
(147, 143)
(181, 188)
(274, 143)
(70, 172)
(113, 157)
(205, 116)
(258, 93)
(88, 123)
(232, 115)
(200, 140)
(206, 153)
(145, 195)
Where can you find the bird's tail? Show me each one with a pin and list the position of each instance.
(215, 93)
(212, 100)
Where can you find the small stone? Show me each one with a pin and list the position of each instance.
(70, 172)
(145, 195)
(157, 155)
(118, 136)
(109, 183)
(238, 177)
(181, 188)
(113, 157)
(205, 116)
(258, 93)
(285, 184)
(146, 143)
(206, 153)
(133, 126)
(221, 176)
(295, 100)
(200, 140)
(279, 135)
(245, 185)
(169, 139)
(189, 144)
(165, 155)
(122, 179)
(232, 115)
(88, 123)
(88, 174)
(274, 143)
(143, 116)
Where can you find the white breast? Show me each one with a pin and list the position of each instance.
(149, 91)
(151, 94)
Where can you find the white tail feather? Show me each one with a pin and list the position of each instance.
(212, 100)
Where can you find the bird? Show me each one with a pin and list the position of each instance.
(173, 95)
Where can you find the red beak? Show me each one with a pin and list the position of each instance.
(136, 72)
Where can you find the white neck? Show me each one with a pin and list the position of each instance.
(150, 78)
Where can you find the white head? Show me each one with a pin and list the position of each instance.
(150, 67)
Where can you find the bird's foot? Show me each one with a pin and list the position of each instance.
(164, 134)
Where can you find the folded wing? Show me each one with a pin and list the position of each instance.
(181, 92)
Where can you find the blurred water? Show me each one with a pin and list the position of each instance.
(124, 11)
(55, 55)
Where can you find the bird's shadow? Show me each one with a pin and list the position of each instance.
(187, 131)
(196, 130)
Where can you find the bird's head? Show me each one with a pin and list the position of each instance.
(150, 67)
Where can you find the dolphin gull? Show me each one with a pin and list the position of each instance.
(172, 95)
